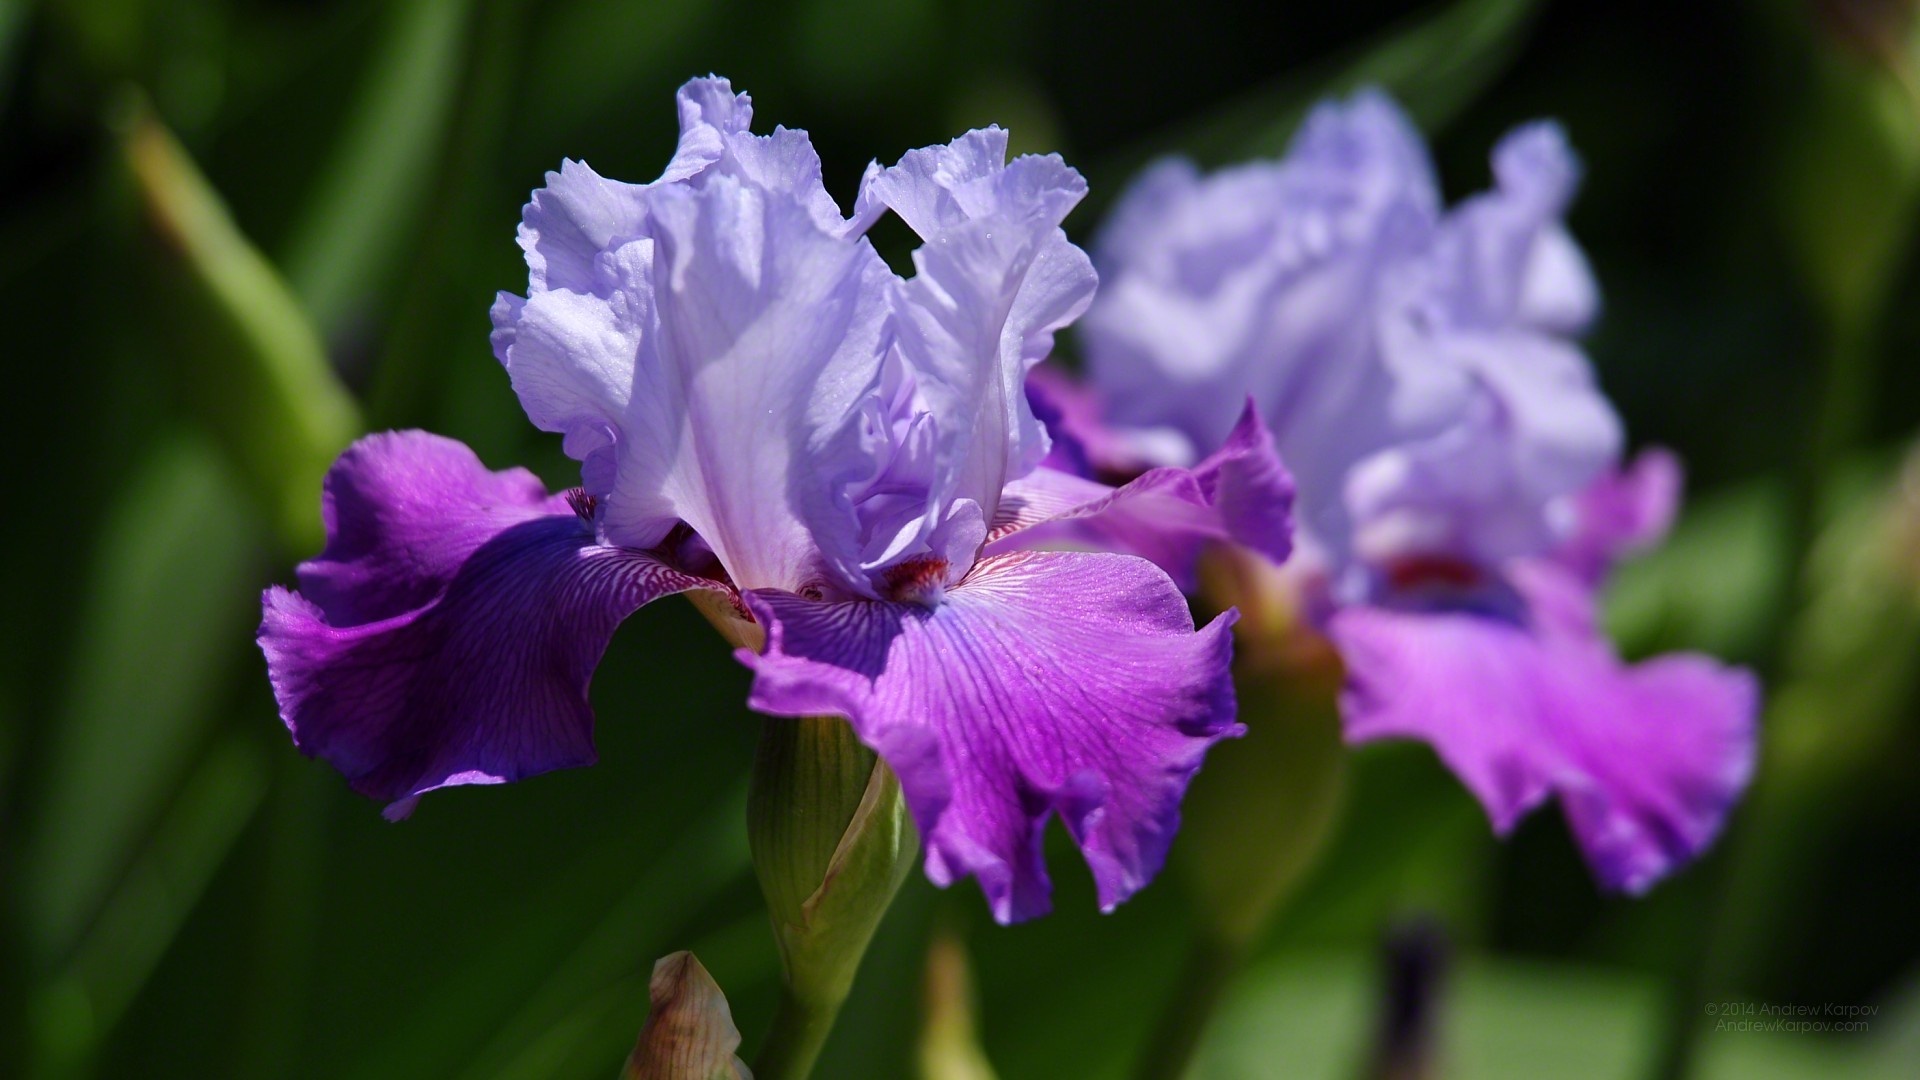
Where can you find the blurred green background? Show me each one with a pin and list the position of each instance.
(235, 234)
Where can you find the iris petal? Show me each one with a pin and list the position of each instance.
(1044, 683)
(1647, 759)
(1241, 495)
(448, 632)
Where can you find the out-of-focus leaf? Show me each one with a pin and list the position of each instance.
(1850, 666)
(949, 1038)
(485, 1004)
(87, 999)
(268, 394)
(106, 34)
(358, 221)
(13, 19)
(1710, 585)
(592, 52)
(1434, 65)
(1834, 714)
(1306, 1017)
(893, 35)
(1257, 819)
(165, 617)
(578, 1045)
(1411, 840)
(689, 1034)
(1851, 168)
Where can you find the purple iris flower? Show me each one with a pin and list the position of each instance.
(840, 460)
(1460, 493)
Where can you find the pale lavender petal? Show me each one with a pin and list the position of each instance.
(1503, 257)
(572, 355)
(1623, 512)
(715, 141)
(711, 352)
(1647, 759)
(1265, 280)
(1533, 428)
(744, 424)
(1240, 495)
(1053, 683)
(995, 280)
(709, 112)
(448, 632)
(1493, 484)
(571, 221)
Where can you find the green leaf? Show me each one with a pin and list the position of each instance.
(1435, 65)
(76, 1010)
(593, 55)
(164, 621)
(1850, 176)
(484, 1004)
(13, 19)
(950, 1039)
(1710, 584)
(1258, 817)
(357, 223)
(260, 379)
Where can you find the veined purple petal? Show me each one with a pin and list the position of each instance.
(447, 633)
(1241, 495)
(1044, 683)
(1647, 759)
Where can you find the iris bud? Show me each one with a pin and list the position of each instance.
(832, 841)
(689, 1033)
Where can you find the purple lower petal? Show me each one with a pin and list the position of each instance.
(448, 632)
(1647, 759)
(1624, 511)
(1241, 494)
(1067, 683)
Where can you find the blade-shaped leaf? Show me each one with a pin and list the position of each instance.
(264, 385)
(165, 620)
(79, 1007)
(1434, 64)
(356, 224)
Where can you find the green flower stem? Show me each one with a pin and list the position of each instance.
(800, 1029)
(832, 842)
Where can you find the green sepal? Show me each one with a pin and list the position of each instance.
(832, 841)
